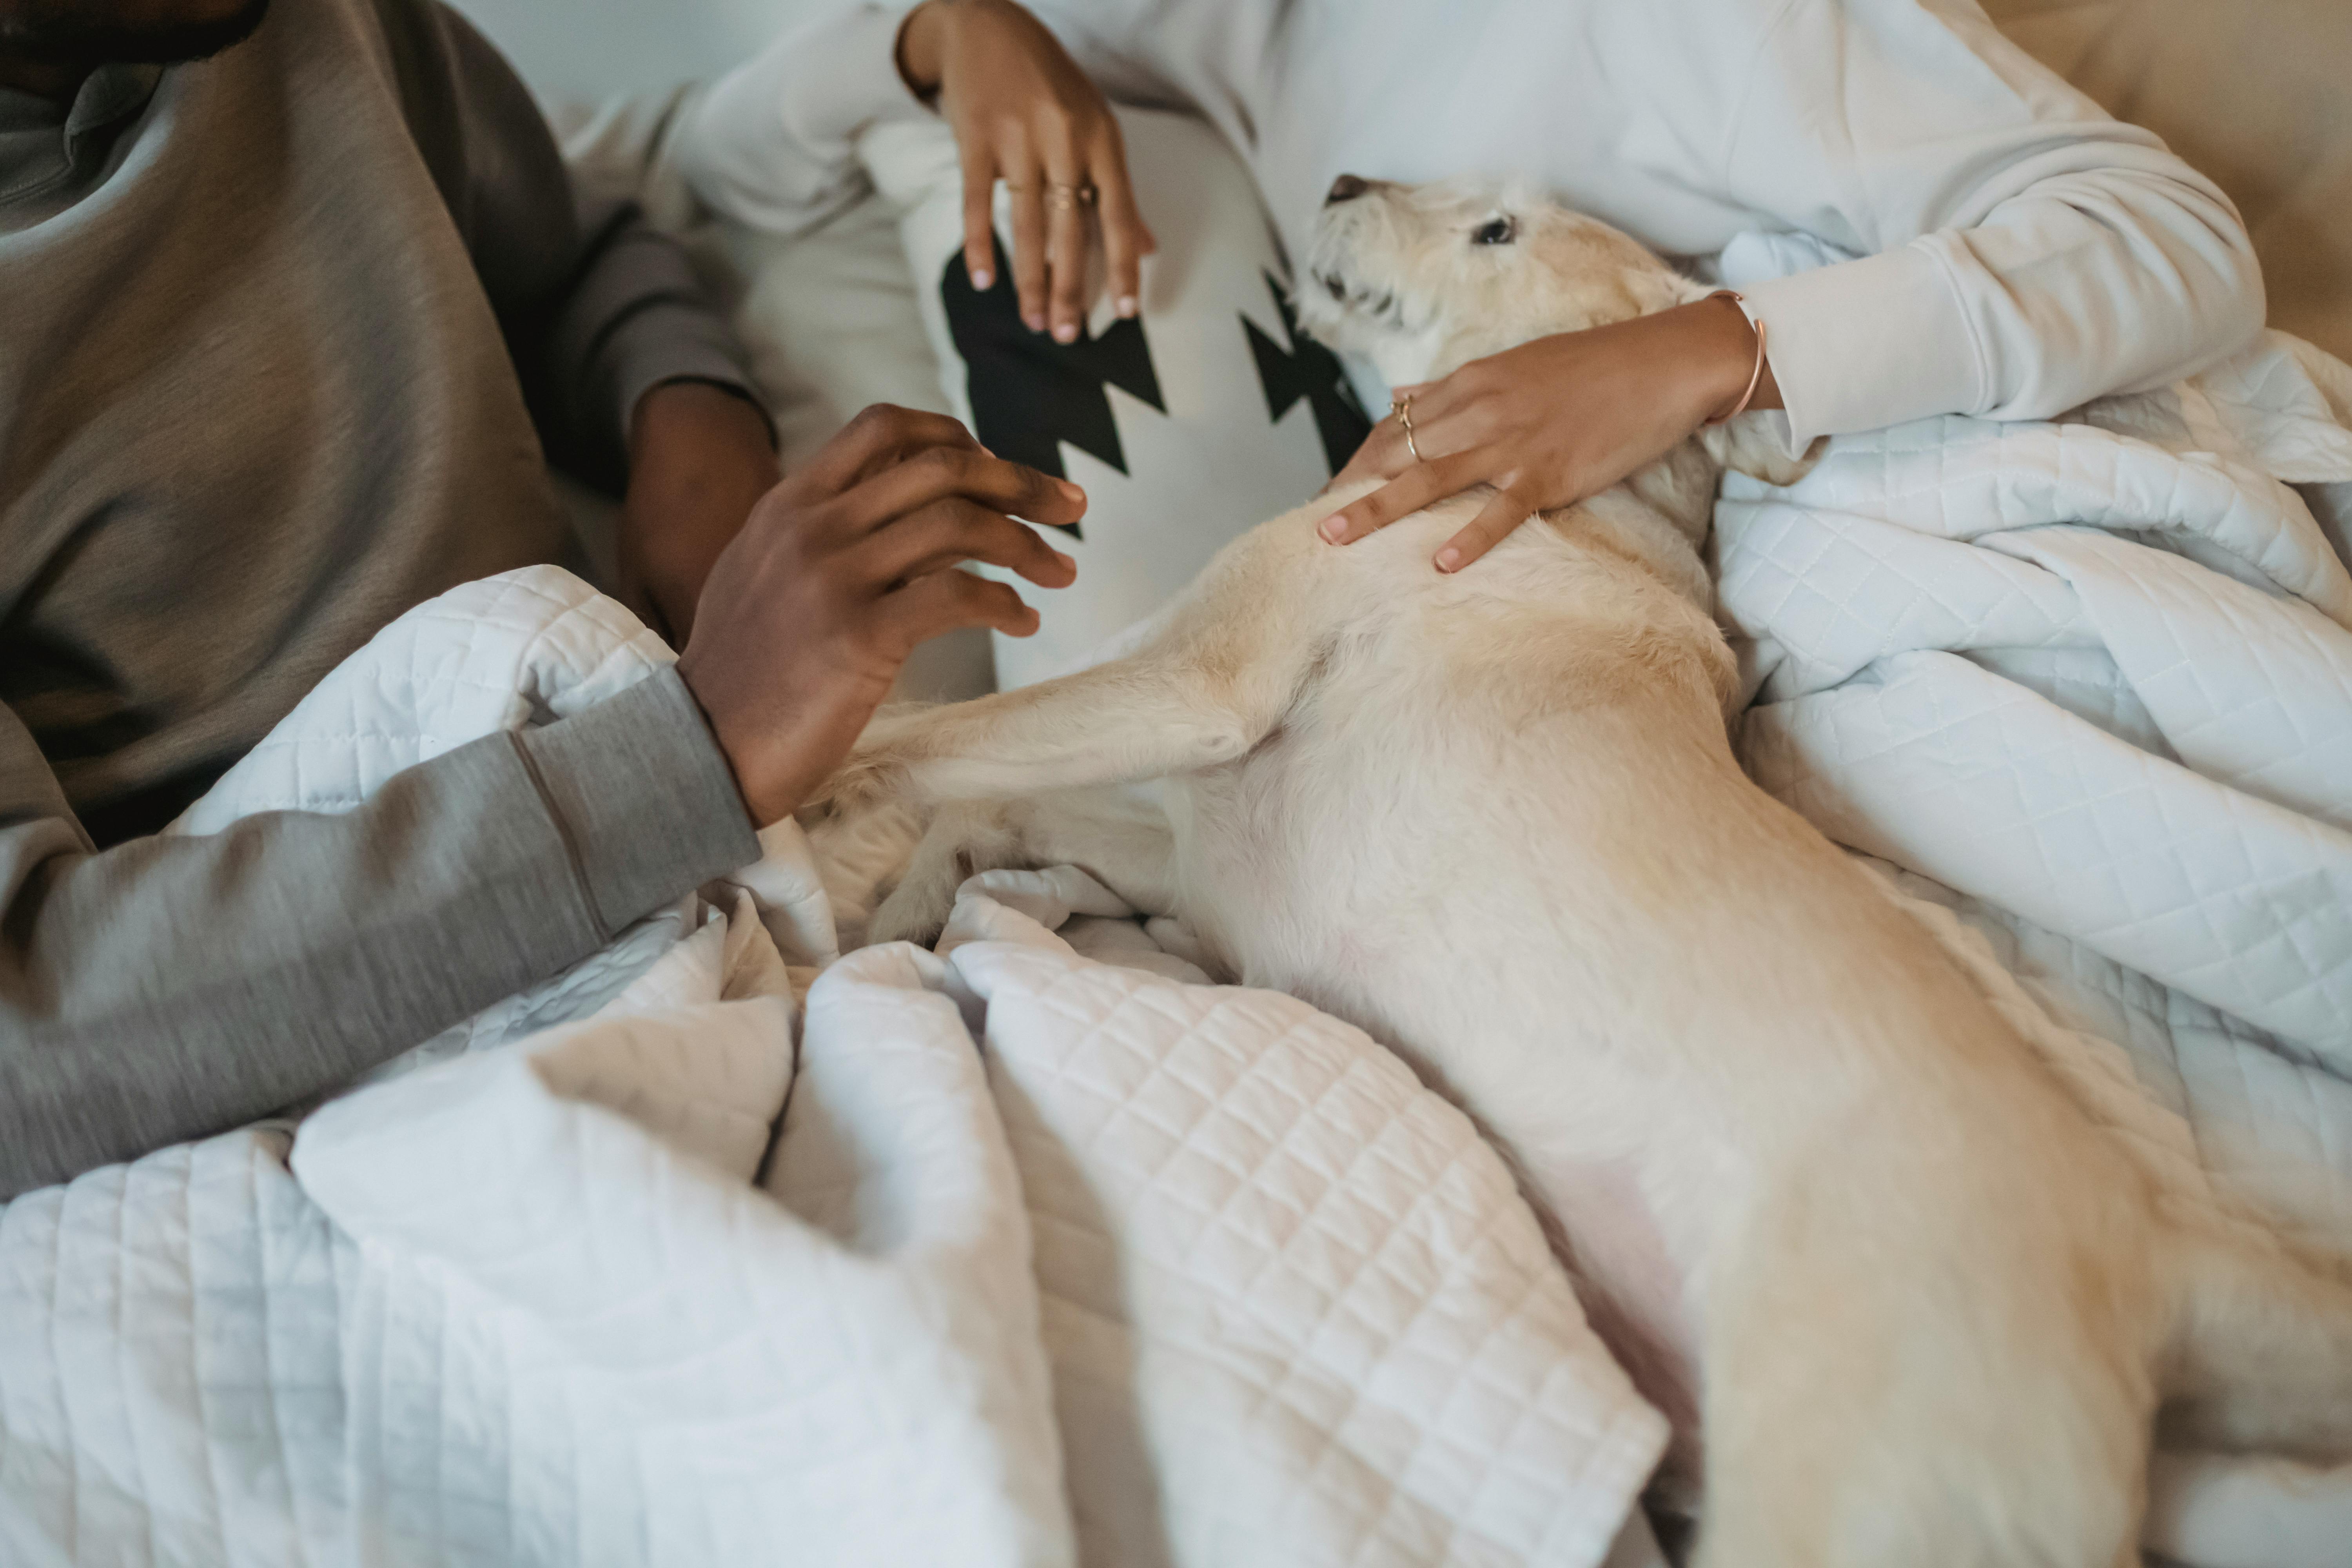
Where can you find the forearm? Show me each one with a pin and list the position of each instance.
(633, 318)
(771, 143)
(176, 986)
(700, 458)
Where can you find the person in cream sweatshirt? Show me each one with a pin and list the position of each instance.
(2014, 251)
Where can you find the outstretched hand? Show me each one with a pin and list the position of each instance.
(1552, 422)
(1023, 112)
(840, 572)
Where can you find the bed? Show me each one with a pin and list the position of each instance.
(1164, 1272)
(2253, 94)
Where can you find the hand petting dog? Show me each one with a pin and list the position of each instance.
(1552, 422)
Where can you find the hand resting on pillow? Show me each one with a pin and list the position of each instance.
(1023, 112)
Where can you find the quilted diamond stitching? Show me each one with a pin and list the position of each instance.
(1228, 1068)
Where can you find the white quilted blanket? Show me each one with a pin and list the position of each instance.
(2089, 685)
(1163, 1272)
(1167, 1274)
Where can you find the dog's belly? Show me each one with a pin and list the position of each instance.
(1306, 870)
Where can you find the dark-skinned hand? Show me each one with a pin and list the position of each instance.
(840, 572)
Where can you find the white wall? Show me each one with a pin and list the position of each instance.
(585, 50)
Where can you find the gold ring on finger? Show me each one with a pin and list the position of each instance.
(1067, 197)
(1402, 408)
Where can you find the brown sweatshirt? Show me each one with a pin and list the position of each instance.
(281, 335)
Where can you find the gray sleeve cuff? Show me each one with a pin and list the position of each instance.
(646, 800)
(661, 345)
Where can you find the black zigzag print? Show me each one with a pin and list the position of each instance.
(1029, 393)
(1308, 369)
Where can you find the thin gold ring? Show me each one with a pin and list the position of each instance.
(1067, 197)
(1402, 408)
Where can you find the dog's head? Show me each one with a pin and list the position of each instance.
(1421, 279)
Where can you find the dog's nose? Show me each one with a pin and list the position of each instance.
(1346, 188)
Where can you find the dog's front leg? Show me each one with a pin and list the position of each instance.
(1142, 718)
(1210, 688)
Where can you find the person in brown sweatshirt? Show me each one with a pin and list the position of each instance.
(295, 303)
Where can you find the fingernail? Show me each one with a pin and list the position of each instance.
(1334, 526)
(1071, 490)
(1127, 306)
(983, 279)
(1066, 560)
(1035, 322)
(1068, 333)
(1448, 559)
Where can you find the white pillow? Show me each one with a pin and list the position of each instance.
(1187, 428)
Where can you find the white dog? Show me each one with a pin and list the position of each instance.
(1832, 1211)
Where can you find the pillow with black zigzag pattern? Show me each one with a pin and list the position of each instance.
(1194, 425)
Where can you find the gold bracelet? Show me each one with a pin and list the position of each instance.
(1755, 376)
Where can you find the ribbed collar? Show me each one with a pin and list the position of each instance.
(43, 146)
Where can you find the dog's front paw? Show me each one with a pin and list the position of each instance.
(869, 779)
(917, 910)
(862, 842)
(960, 840)
(879, 767)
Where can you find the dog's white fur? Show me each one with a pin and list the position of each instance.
(1494, 819)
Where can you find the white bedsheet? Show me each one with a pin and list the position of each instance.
(2089, 687)
(1174, 1274)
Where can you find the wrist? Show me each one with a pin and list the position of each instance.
(1731, 374)
(743, 743)
(700, 459)
(1726, 352)
(701, 411)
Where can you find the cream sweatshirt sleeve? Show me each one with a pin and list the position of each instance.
(2020, 252)
(773, 142)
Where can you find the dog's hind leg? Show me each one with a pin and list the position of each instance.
(1958, 1382)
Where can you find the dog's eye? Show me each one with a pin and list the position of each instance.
(1494, 231)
